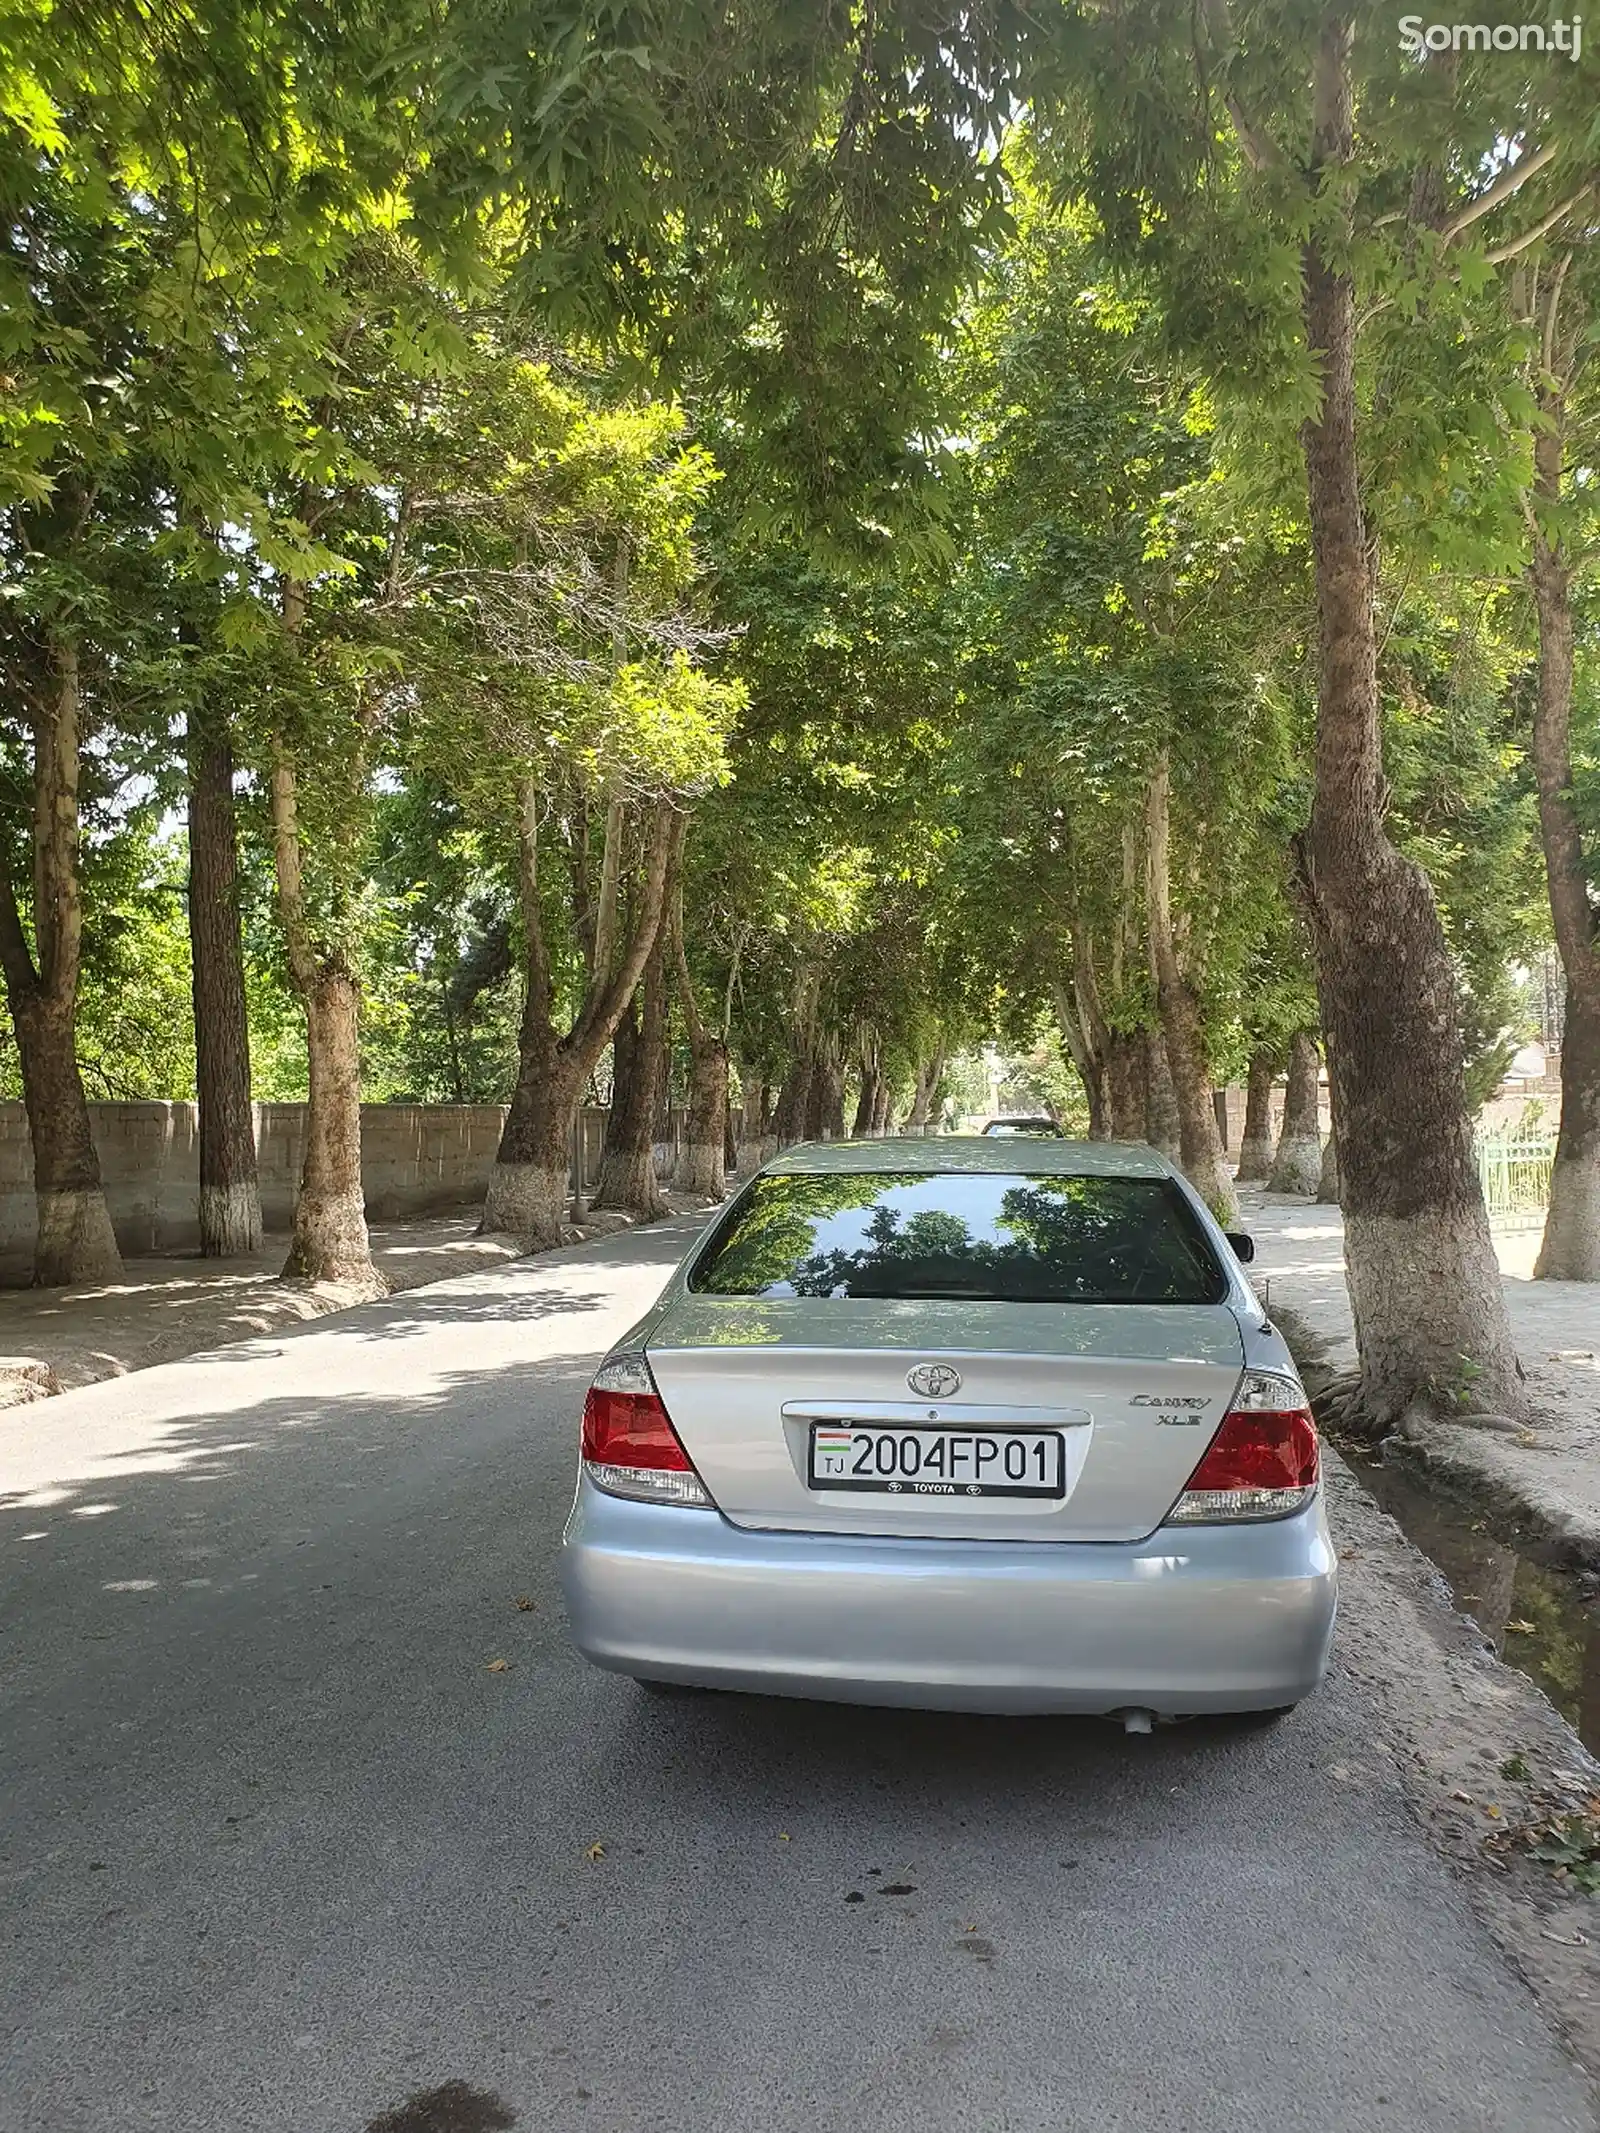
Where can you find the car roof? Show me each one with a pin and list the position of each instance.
(955, 1152)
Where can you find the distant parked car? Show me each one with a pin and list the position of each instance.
(978, 1424)
(1029, 1128)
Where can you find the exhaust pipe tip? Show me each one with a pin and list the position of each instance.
(1137, 1721)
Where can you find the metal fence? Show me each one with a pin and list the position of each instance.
(1514, 1166)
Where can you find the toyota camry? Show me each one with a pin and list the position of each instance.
(984, 1424)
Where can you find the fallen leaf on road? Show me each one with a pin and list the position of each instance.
(783, 1836)
(595, 1854)
(1494, 1811)
(524, 1604)
(499, 1666)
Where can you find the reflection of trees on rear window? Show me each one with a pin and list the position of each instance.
(998, 1239)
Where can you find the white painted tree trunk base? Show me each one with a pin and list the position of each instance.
(629, 1186)
(1297, 1166)
(75, 1241)
(700, 1170)
(1425, 1291)
(527, 1201)
(1255, 1160)
(1570, 1248)
(230, 1221)
(330, 1242)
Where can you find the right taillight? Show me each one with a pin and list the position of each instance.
(630, 1447)
(1262, 1463)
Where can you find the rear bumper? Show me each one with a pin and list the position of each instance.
(1194, 1619)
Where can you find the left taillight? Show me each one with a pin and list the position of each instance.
(630, 1447)
(1263, 1461)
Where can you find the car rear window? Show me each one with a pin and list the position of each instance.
(990, 1238)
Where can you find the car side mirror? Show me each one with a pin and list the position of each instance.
(1244, 1247)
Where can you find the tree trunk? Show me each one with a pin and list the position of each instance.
(1430, 1314)
(1570, 1250)
(825, 1109)
(1328, 1178)
(1161, 1102)
(1255, 1144)
(709, 1153)
(794, 1100)
(1179, 1008)
(74, 1240)
(706, 1154)
(1297, 1166)
(628, 1181)
(527, 1196)
(624, 1066)
(1096, 1067)
(866, 1104)
(883, 1110)
(751, 1132)
(330, 1241)
(1086, 1057)
(927, 1087)
(1128, 1084)
(230, 1201)
(794, 1107)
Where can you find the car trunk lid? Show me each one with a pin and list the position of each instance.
(1136, 1392)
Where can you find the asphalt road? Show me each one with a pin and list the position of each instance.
(281, 1851)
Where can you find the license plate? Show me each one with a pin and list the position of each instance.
(937, 1462)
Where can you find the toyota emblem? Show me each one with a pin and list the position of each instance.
(935, 1381)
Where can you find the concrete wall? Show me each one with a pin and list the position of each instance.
(414, 1157)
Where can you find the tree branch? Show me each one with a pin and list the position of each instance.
(605, 917)
(1540, 229)
(1508, 182)
(1260, 150)
(602, 1010)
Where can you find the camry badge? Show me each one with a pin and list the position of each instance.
(935, 1381)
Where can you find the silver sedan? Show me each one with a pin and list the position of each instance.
(975, 1424)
